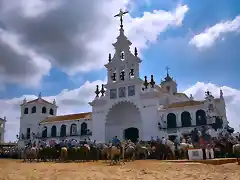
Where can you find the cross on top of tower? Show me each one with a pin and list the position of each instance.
(121, 14)
(167, 68)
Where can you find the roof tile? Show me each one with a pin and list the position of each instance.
(68, 117)
(185, 103)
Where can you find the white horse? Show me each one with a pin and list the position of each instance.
(129, 150)
(236, 150)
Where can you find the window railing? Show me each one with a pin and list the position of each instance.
(86, 132)
(82, 133)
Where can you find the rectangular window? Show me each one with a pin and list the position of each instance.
(122, 92)
(28, 133)
(113, 93)
(131, 90)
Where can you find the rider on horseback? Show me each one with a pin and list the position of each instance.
(116, 142)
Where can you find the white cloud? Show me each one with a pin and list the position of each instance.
(76, 100)
(39, 65)
(75, 37)
(144, 30)
(210, 35)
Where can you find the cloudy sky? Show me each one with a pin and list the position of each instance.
(59, 48)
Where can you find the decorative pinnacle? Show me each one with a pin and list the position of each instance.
(109, 57)
(121, 14)
(135, 51)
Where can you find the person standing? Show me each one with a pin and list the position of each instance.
(163, 140)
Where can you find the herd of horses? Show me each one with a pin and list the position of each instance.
(126, 151)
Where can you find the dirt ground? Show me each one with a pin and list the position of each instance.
(146, 170)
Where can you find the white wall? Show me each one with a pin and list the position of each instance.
(2, 129)
(32, 120)
(68, 124)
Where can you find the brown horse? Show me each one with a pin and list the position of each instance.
(163, 151)
(115, 153)
(30, 153)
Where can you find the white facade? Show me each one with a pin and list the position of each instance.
(142, 104)
(2, 129)
(126, 101)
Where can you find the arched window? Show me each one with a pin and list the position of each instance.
(186, 119)
(54, 131)
(51, 111)
(44, 110)
(73, 129)
(34, 109)
(84, 128)
(218, 123)
(25, 110)
(201, 118)
(63, 131)
(171, 120)
(44, 132)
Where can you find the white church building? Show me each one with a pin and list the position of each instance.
(126, 106)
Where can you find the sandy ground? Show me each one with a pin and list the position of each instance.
(146, 170)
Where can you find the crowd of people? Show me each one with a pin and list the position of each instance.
(157, 148)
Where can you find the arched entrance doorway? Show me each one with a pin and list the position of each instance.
(132, 134)
(121, 117)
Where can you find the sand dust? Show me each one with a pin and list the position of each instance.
(146, 170)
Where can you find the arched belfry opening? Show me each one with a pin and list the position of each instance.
(123, 120)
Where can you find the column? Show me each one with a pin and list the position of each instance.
(193, 116)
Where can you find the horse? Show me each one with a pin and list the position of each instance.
(115, 153)
(162, 151)
(236, 152)
(129, 150)
(86, 150)
(64, 153)
(30, 153)
(183, 149)
(94, 152)
(170, 149)
(142, 151)
(104, 151)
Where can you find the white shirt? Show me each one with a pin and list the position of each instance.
(74, 142)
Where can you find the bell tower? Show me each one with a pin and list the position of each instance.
(168, 84)
(123, 66)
